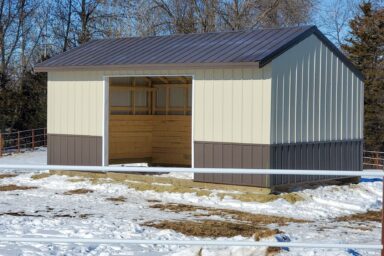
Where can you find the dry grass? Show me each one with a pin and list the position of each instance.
(7, 175)
(234, 223)
(20, 214)
(264, 198)
(362, 217)
(77, 180)
(13, 187)
(254, 219)
(150, 182)
(24, 214)
(119, 199)
(271, 251)
(153, 201)
(40, 176)
(78, 191)
(214, 228)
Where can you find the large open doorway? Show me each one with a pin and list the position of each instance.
(150, 120)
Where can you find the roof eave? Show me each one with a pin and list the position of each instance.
(175, 66)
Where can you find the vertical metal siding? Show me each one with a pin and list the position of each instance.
(340, 155)
(315, 96)
(74, 150)
(233, 155)
(230, 105)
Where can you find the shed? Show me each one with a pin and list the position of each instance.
(282, 98)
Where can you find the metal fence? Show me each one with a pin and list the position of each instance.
(373, 159)
(32, 168)
(14, 142)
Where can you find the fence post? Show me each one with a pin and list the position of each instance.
(382, 221)
(1, 145)
(33, 139)
(45, 137)
(18, 141)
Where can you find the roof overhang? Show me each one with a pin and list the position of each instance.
(173, 66)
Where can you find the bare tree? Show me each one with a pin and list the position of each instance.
(206, 14)
(32, 18)
(85, 11)
(333, 18)
(177, 16)
(244, 14)
(9, 31)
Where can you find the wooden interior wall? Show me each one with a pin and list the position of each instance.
(171, 140)
(157, 139)
(130, 137)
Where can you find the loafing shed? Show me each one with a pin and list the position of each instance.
(267, 98)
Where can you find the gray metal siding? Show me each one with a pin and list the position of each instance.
(327, 155)
(74, 150)
(315, 96)
(232, 155)
(331, 155)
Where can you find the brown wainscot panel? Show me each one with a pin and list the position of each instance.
(64, 149)
(327, 155)
(232, 155)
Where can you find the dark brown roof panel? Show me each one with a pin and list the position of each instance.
(257, 46)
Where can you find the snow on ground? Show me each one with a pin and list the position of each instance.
(48, 212)
(37, 157)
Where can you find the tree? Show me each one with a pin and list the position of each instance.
(32, 99)
(246, 14)
(177, 16)
(365, 47)
(333, 17)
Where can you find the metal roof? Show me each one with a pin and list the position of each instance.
(242, 48)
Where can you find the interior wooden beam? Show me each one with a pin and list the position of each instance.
(169, 85)
(183, 79)
(136, 88)
(148, 79)
(163, 79)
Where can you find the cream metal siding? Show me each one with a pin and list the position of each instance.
(315, 96)
(230, 105)
(75, 103)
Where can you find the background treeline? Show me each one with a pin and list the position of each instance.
(33, 30)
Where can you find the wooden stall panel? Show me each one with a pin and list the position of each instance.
(130, 138)
(160, 140)
(171, 140)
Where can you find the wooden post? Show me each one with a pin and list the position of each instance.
(133, 98)
(18, 142)
(33, 139)
(1, 145)
(382, 222)
(153, 102)
(377, 161)
(185, 100)
(167, 100)
(45, 137)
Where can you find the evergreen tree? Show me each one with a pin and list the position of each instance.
(7, 99)
(365, 48)
(32, 102)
